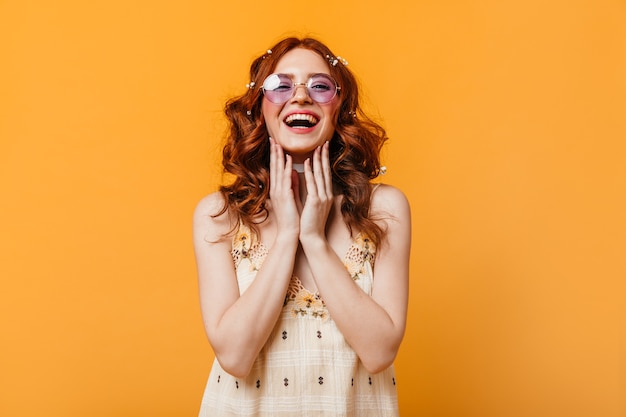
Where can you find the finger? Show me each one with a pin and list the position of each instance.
(309, 179)
(272, 164)
(279, 166)
(328, 174)
(287, 170)
(318, 173)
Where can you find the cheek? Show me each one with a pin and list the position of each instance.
(270, 114)
(332, 115)
(329, 131)
(332, 111)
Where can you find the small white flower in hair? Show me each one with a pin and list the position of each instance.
(334, 61)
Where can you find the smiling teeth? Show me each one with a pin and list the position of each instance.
(305, 117)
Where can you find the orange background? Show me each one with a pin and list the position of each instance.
(507, 126)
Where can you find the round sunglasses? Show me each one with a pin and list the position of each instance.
(279, 88)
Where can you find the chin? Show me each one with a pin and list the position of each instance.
(308, 147)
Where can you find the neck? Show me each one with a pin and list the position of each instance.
(302, 191)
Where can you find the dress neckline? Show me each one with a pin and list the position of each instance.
(246, 245)
(296, 279)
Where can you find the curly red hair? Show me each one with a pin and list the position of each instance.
(354, 148)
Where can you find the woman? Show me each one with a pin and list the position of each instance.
(302, 261)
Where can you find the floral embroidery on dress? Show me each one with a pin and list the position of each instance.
(246, 246)
(305, 303)
(309, 304)
(361, 251)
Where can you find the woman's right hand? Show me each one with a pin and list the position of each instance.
(282, 195)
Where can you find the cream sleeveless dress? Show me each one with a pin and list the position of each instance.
(306, 368)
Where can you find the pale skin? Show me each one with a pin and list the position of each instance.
(307, 237)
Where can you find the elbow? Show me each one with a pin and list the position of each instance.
(378, 363)
(374, 367)
(378, 359)
(234, 365)
(235, 359)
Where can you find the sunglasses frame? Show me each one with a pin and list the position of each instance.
(295, 86)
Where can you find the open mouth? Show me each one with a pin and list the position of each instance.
(299, 120)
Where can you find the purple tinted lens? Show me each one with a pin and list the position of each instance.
(278, 88)
(321, 88)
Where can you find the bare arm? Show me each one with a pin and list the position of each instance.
(374, 326)
(238, 326)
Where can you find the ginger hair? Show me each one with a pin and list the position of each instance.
(354, 148)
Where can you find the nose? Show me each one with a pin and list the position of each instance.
(300, 93)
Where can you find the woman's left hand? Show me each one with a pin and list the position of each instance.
(319, 199)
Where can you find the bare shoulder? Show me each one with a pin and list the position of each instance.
(210, 221)
(390, 209)
(389, 201)
(210, 205)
